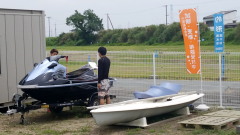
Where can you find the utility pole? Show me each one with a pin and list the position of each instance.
(55, 30)
(166, 15)
(110, 21)
(107, 23)
(49, 26)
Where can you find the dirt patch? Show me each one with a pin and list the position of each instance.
(79, 122)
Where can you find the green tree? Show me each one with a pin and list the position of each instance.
(51, 41)
(150, 31)
(158, 34)
(171, 31)
(105, 36)
(67, 38)
(124, 36)
(237, 34)
(205, 34)
(230, 34)
(140, 37)
(86, 25)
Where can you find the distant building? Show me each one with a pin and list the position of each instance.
(230, 19)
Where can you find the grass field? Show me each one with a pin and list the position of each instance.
(126, 64)
(177, 48)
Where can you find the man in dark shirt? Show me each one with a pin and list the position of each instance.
(103, 81)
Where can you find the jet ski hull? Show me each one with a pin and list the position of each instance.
(60, 93)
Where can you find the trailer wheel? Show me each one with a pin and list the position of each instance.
(3, 110)
(94, 101)
(56, 109)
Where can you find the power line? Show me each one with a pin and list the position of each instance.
(55, 30)
(157, 7)
(166, 15)
(169, 15)
(199, 3)
(135, 12)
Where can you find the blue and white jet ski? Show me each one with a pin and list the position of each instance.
(49, 83)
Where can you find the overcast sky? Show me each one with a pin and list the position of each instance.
(123, 13)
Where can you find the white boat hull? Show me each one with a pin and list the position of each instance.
(126, 112)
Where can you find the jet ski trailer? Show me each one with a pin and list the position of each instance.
(51, 87)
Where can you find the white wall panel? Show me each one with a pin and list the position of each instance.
(11, 55)
(19, 43)
(3, 54)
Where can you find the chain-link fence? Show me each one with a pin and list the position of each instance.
(137, 71)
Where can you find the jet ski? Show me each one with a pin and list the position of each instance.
(49, 83)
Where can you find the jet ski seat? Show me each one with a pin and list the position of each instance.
(77, 73)
(81, 75)
(165, 88)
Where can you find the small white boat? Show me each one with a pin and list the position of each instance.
(131, 110)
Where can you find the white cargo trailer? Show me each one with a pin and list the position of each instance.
(22, 43)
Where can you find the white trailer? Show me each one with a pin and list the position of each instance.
(22, 43)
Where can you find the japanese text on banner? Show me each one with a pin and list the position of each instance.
(189, 26)
(218, 33)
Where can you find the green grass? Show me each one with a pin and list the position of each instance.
(134, 131)
(141, 67)
(50, 132)
(168, 66)
(152, 131)
(85, 129)
(176, 48)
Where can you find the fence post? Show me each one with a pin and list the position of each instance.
(223, 65)
(89, 58)
(154, 69)
(97, 58)
(220, 78)
(201, 79)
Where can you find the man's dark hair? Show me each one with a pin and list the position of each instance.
(102, 50)
(54, 50)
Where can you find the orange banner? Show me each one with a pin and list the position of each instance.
(189, 25)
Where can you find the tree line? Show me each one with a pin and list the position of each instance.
(88, 30)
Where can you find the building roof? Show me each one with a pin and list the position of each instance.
(221, 12)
